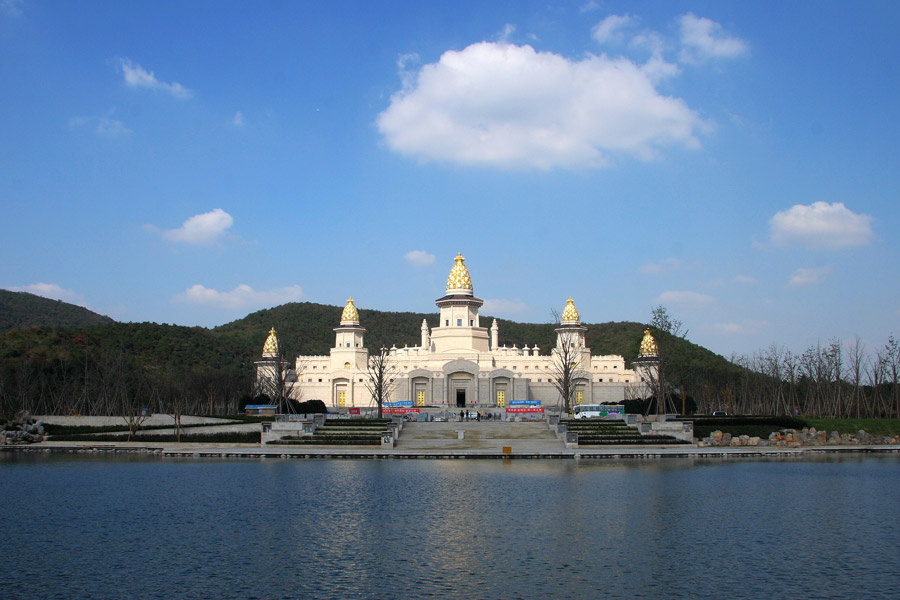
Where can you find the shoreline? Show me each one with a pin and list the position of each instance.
(175, 450)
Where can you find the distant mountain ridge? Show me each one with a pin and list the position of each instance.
(22, 309)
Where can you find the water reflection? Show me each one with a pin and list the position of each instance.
(672, 528)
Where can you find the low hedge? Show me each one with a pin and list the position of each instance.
(225, 437)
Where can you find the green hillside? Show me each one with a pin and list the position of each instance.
(21, 309)
(90, 369)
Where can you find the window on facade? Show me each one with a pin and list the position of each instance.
(539, 379)
(515, 367)
(360, 380)
(309, 380)
(471, 322)
(626, 381)
(615, 366)
(459, 322)
(320, 381)
(447, 323)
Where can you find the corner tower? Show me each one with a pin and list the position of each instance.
(459, 329)
(349, 351)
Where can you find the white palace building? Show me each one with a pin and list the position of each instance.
(459, 363)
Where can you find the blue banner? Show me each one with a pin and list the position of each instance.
(525, 403)
(397, 404)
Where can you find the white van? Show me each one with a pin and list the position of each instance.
(598, 411)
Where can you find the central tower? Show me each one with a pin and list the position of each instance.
(459, 330)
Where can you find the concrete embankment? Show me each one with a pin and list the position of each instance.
(232, 451)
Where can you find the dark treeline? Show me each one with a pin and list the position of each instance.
(840, 380)
(120, 369)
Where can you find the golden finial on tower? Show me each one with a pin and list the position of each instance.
(459, 275)
(570, 314)
(648, 346)
(350, 316)
(270, 349)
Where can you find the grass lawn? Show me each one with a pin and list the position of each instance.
(871, 426)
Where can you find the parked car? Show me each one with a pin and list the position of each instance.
(720, 413)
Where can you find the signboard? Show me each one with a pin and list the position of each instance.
(396, 404)
(354, 411)
(398, 411)
(525, 403)
(525, 409)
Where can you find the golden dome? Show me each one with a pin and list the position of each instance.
(350, 316)
(570, 314)
(459, 276)
(270, 348)
(648, 345)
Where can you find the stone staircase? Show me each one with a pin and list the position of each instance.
(597, 432)
(484, 435)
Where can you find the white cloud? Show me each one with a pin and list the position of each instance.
(803, 277)
(13, 8)
(52, 291)
(745, 279)
(238, 119)
(667, 265)
(689, 299)
(746, 327)
(821, 225)
(203, 229)
(419, 258)
(104, 126)
(611, 29)
(703, 39)
(509, 106)
(506, 33)
(243, 296)
(138, 77)
(501, 307)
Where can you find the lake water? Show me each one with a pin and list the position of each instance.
(83, 527)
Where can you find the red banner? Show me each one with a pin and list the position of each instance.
(353, 411)
(398, 411)
(530, 409)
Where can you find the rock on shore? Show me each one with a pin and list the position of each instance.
(808, 436)
(22, 430)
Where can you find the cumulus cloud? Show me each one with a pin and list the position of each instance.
(510, 106)
(703, 39)
(138, 77)
(203, 229)
(664, 266)
(688, 299)
(611, 29)
(243, 296)
(419, 258)
(821, 225)
(52, 291)
(503, 307)
(804, 277)
(238, 119)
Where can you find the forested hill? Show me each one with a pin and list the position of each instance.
(21, 309)
(303, 328)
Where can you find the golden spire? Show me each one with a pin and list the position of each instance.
(648, 345)
(570, 314)
(350, 316)
(459, 276)
(270, 349)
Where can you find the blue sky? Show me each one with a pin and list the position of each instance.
(191, 162)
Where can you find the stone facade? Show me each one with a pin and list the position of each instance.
(459, 363)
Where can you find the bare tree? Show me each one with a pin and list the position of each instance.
(380, 371)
